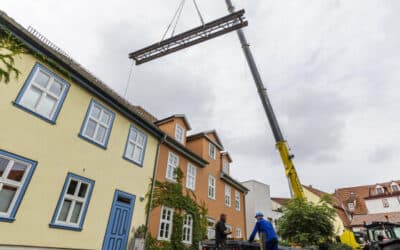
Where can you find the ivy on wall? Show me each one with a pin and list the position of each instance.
(170, 194)
(10, 47)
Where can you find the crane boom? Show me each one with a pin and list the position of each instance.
(281, 144)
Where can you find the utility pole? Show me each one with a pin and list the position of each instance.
(294, 183)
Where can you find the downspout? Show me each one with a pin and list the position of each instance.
(152, 187)
(245, 215)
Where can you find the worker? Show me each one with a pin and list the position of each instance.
(221, 232)
(266, 232)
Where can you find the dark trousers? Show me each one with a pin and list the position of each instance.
(271, 244)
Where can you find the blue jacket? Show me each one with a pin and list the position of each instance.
(264, 226)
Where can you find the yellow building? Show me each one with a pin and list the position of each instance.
(75, 158)
(314, 195)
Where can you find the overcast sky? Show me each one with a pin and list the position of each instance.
(331, 69)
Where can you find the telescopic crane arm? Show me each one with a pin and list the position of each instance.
(281, 144)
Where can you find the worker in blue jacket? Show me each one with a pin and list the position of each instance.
(266, 232)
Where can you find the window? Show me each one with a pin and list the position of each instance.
(238, 233)
(395, 187)
(97, 125)
(187, 229)
(43, 94)
(237, 200)
(15, 174)
(212, 151)
(135, 146)
(379, 190)
(191, 177)
(351, 206)
(225, 166)
(227, 196)
(229, 228)
(165, 230)
(211, 187)
(385, 203)
(173, 161)
(73, 203)
(210, 229)
(179, 133)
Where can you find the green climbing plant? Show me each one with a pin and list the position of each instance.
(10, 48)
(171, 195)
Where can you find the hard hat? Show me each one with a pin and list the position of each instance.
(259, 214)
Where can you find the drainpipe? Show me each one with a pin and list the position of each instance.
(152, 186)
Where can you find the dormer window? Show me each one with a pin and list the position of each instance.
(350, 205)
(179, 133)
(395, 187)
(379, 190)
(225, 166)
(212, 151)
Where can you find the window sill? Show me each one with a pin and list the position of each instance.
(53, 122)
(170, 180)
(4, 219)
(139, 164)
(211, 198)
(92, 142)
(65, 227)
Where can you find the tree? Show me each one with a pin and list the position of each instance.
(10, 47)
(305, 223)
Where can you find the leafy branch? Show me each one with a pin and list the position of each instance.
(10, 47)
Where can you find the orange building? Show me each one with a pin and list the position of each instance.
(205, 167)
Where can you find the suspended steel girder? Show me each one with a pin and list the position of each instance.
(218, 27)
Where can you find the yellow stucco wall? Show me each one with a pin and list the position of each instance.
(338, 224)
(58, 150)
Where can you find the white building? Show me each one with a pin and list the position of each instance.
(258, 199)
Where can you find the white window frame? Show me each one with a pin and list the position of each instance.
(379, 190)
(165, 221)
(45, 92)
(237, 200)
(191, 176)
(225, 166)
(211, 187)
(212, 151)
(350, 205)
(171, 168)
(74, 198)
(179, 136)
(187, 230)
(136, 145)
(385, 203)
(228, 195)
(20, 186)
(210, 228)
(238, 233)
(99, 123)
(395, 185)
(229, 228)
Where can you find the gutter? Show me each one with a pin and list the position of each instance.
(153, 184)
(233, 182)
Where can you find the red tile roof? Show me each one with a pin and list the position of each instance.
(359, 220)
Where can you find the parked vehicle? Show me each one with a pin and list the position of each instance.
(383, 236)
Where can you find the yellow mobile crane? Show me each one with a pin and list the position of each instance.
(281, 144)
(233, 21)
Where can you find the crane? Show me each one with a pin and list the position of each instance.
(281, 144)
(235, 21)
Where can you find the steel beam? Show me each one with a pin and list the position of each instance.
(210, 30)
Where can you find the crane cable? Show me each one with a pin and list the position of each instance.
(177, 14)
(175, 19)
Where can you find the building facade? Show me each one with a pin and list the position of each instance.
(75, 158)
(205, 167)
(258, 199)
(369, 203)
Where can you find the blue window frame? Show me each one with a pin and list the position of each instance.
(96, 127)
(135, 147)
(43, 94)
(15, 175)
(73, 203)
